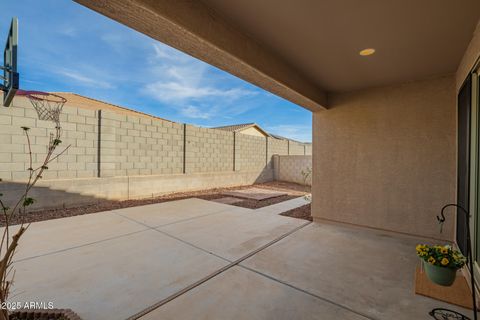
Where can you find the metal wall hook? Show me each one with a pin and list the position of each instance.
(441, 219)
(442, 215)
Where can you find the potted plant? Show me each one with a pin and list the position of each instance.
(441, 263)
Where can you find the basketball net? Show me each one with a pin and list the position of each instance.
(48, 105)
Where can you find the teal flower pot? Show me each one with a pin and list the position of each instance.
(440, 275)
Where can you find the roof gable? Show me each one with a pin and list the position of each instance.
(242, 127)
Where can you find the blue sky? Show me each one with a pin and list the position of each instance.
(66, 47)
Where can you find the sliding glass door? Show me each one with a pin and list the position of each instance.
(464, 147)
(474, 196)
(474, 173)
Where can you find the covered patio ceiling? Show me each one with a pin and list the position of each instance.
(302, 50)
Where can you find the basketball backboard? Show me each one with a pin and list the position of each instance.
(10, 78)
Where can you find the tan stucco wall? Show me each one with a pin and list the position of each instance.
(469, 58)
(385, 157)
(253, 132)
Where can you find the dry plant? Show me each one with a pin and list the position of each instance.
(9, 243)
(306, 174)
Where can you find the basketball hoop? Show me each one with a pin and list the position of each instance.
(48, 105)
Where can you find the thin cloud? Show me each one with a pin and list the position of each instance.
(195, 113)
(295, 132)
(165, 52)
(179, 92)
(182, 81)
(68, 31)
(82, 79)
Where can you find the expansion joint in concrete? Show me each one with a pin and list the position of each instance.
(214, 274)
(307, 292)
(82, 245)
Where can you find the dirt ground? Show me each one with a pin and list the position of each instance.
(255, 204)
(303, 212)
(293, 190)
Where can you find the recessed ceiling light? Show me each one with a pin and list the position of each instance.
(367, 52)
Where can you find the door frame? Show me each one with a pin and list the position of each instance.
(474, 192)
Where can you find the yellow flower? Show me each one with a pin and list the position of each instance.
(421, 248)
(444, 250)
(431, 260)
(444, 261)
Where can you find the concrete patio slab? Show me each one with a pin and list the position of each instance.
(283, 206)
(320, 271)
(61, 234)
(113, 279)
(228, 200)
(364, 270)
(254, 193)
(159, 214)
(232, 235)
(241, 294)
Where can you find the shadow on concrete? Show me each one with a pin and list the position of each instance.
(45, 197)
(95, 193)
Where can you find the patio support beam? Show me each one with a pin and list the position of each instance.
(194, 28)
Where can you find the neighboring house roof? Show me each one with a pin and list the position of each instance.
(79, 101)
(244, 126)
(276, 136)
(236, 127)
(241, 127)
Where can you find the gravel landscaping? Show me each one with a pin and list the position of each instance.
(293, 190)
(303, 212)
(255, 204)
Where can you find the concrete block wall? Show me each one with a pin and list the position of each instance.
(296, 148)
(78, 131)
(275, 146)
(250, 153)
(289, 168)
(208, 150)
(74, 192)
(119, 156)
(308, 149)
(139, 146)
